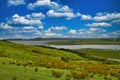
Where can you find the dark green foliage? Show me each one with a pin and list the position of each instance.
(65, 59)
(36, 69)
(36, 51)
(3, 62)
(68, 77)
(33, 79)
(14, 77)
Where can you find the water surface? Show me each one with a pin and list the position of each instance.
(69, 46)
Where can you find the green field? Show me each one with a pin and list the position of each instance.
(108, 41)
(23, 62)
(107, 53)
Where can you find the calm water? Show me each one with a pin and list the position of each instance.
(88, 46)
(69, 46)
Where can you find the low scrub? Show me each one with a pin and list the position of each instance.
(80, 75)
(68, 77)
(14, 77)
(57, 73)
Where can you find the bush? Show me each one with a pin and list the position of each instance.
(33, 79)
(3, 62)
(65, 59)
(36, 69)
(68, 77)
(76, 74)
(80, 75)
(57, 73)
(14, 77)
(18, 64)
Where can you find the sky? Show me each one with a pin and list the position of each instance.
(59, 19)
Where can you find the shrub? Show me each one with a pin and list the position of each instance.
(68, 77)
(3, 62)
(80, 75)
(65, 59)
(14, 77)
(91, 75)
(84, 74)
(18, 64)
(115, 74)
(33, 79)
(107, 78)
(36, 69)
(35, 51)
(76, 74)
(57, 73)
(12, 62)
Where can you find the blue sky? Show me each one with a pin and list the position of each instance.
(59, 18)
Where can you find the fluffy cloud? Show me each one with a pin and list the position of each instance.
(51, 32)
(116, 21)
(72, 31)
(67, 15)
(97, 30)
(99, 24)
(28, 27)
(20, 32)
(43, 3)
(86, 17)
(35, 16)
(5, 26)
(63, 11)
(16, 19)
(40, 27)
(114, 34)
(78, 14)
(91, 30)
(16, 2)
(53, 35)
(59, 28)
(56, 10)
(92, 33)
(105, 17)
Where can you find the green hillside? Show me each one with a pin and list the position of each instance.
(23, 62)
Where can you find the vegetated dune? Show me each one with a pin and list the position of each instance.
(23, 62)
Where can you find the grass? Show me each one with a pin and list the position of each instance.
(108, 41)
(107, 53)
(23, 62)
(7, 72)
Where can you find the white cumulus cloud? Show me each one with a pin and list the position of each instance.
(67, 15)
(105, 17)
(72, 31)
(59, 28)
(40, 27)
(43, 3)
(35, 16)
(97, 30)
(16, 2)
(5, 26)
(16, 19)
(86, 17)
(53, 34)
(99, 24)
(28, 27)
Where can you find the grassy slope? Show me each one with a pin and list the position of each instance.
(20, 51)
(114, 54)
(20, 61)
